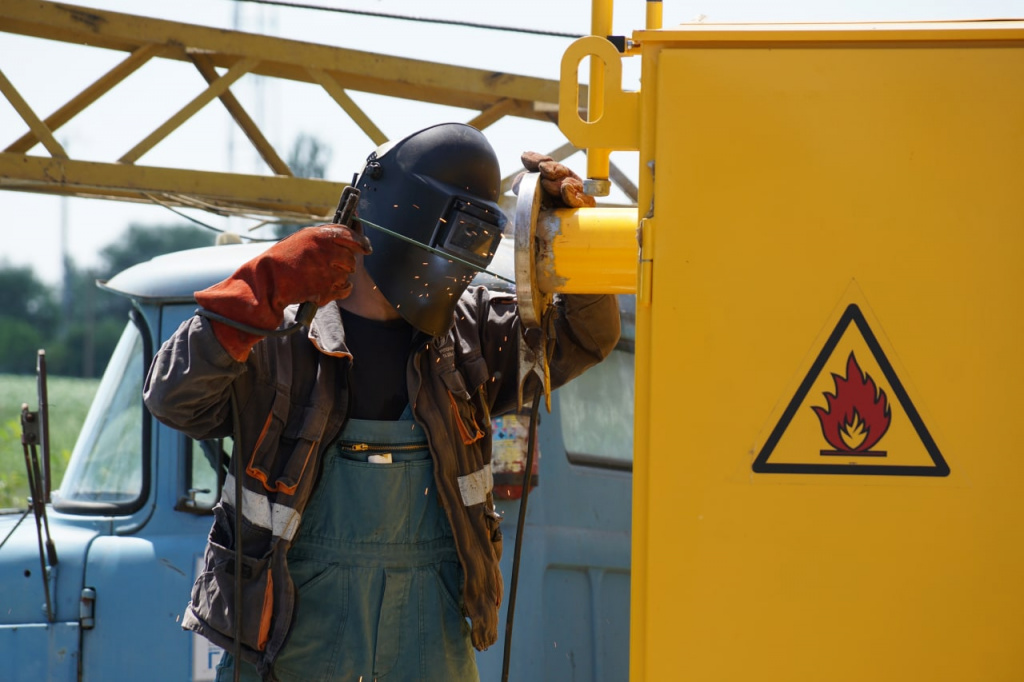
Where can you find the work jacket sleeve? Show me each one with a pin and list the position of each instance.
(188, 386)
(581, 331)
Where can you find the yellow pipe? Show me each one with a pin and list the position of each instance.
(591, 250)
(597, 159)
(654, 15)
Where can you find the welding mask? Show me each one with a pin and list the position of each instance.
(437, 187)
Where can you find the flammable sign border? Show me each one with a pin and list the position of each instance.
(853, 315)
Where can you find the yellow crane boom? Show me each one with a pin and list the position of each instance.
(222, 57)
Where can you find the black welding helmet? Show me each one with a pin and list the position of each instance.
(437, 187)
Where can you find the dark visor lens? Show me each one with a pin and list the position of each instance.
(472, 236)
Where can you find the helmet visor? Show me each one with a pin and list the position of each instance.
(469, 232)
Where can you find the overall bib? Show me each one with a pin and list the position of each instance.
(375, 568)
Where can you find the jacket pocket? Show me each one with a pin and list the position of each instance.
(470, 416)
(215, 597)
(465, 420)
(285, 447)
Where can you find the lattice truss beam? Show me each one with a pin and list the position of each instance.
(222, 57)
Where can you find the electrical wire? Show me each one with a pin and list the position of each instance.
(170, 208)
(397, 235)
(425, 20)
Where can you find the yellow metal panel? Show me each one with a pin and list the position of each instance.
(793, 182)
(639, 594)
(817, 34)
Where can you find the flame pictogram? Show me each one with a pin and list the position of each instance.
(857, 415)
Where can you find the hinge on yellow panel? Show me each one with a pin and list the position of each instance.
(645, 273)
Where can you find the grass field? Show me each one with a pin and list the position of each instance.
(69, 400)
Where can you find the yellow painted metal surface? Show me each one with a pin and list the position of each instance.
(600, 26)
(822, 196)
(587, 251)
(284, 197)
(617, 126)
(338, 71)
(828, 367)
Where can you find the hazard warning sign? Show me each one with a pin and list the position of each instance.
(851, 415)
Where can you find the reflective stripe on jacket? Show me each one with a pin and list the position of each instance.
(292, 400)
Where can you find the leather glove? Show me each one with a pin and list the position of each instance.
(312, 264)
(562, 186)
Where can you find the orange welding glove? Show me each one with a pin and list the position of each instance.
(559, 183)
(312, 264)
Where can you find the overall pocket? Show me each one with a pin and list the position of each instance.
(318, 626)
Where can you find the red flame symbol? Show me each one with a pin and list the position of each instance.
(857, 415)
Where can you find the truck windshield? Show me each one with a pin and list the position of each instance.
(106, 464)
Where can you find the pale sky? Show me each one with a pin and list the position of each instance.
(48, 74)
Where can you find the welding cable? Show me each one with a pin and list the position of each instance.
(436, 252)
(531, 443)
(236, 458)
(303, 318)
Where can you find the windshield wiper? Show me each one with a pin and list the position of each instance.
(35, 429)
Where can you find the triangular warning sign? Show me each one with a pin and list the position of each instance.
(851, 415)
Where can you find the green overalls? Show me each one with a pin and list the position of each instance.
(376, 571)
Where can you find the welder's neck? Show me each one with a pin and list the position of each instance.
(366, 299)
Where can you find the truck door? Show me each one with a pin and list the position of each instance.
(130, 469)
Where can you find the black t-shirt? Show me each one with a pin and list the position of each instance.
(380, 349)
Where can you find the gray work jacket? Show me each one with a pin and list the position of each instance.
(292, 398)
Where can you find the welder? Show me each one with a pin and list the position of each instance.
(370, 544)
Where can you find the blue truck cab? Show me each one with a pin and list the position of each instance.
(130, 519)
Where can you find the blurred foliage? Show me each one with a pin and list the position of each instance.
(309, 158)
(77, 323)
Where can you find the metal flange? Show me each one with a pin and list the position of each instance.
(532, 301)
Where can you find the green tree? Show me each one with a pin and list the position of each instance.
(28, 315)
(309, 158)
(19, 341)
(23, 296)
(140, 243)
(96, 317)
(80, 334)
